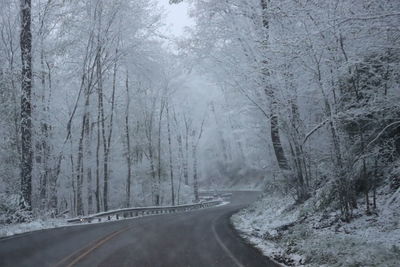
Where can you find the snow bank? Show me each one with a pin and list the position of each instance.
(39, 224)
(296, 236)
(13, 229)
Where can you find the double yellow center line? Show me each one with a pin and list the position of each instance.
(77, 256)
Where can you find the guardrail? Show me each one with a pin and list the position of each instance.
(135, 212)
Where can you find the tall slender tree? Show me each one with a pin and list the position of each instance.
(171, 166)
(26, 105)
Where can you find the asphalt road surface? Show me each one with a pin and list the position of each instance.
(201, 238)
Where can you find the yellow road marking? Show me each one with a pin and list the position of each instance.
(89, 249)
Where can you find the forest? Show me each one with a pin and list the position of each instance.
(101, 109)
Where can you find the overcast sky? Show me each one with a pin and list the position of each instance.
(177, 17)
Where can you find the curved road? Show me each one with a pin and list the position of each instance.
(202, 238)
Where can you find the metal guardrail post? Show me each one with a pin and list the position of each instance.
(144, 211)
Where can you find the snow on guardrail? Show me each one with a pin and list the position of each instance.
(137, 211)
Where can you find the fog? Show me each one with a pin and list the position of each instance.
(155, 104)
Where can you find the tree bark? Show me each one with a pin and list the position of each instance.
(103, 130)
(225, 154)
(155, 196)
(195, 144)
(171, 167)
(88, 154)
(269, 91)
(41, 145)
(186, 160)
(195, 178)
(181, 163)
(97, 190)
(79, 170)
(26, 105)
(128, 146)
(51, 177)
(159, 151)
(110, 134)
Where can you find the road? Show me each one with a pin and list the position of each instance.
(201, 238)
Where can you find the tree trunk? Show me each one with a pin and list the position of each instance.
(276, 143)
(237, 138)
(179, 139)
(195, 178)
(51, 177)
(181, 163)
(186, 161)
(329, 114)
(128, 146)
(159, 151)
(155, 196)
(269, 91)
(103, 130)
(41, 145)
(26, 105)
(73, 201)
(97, 190)
(296, 134)
(42, 152)
(195, 144)
(88, 155)
(171, 167)
(79, 170)
(225, 154)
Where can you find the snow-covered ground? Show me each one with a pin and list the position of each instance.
(19, 228)
(297, 235)
(39, 224)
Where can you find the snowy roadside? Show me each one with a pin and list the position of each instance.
(23, 228)
(20, 228)
(299, 236)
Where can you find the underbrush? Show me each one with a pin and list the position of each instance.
(308, 235)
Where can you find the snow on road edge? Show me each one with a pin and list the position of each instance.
(321, 240)
(36, 225)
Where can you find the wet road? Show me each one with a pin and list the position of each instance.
(201, 238)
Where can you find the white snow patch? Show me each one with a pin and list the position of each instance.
(321, 239)
(20, 228)
(13, 229)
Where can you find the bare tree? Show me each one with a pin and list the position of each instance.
(195, 143)
(128, 145)
(271, 94)
(171, 166)
(159, 168)
(188, 125)
(180, 155)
